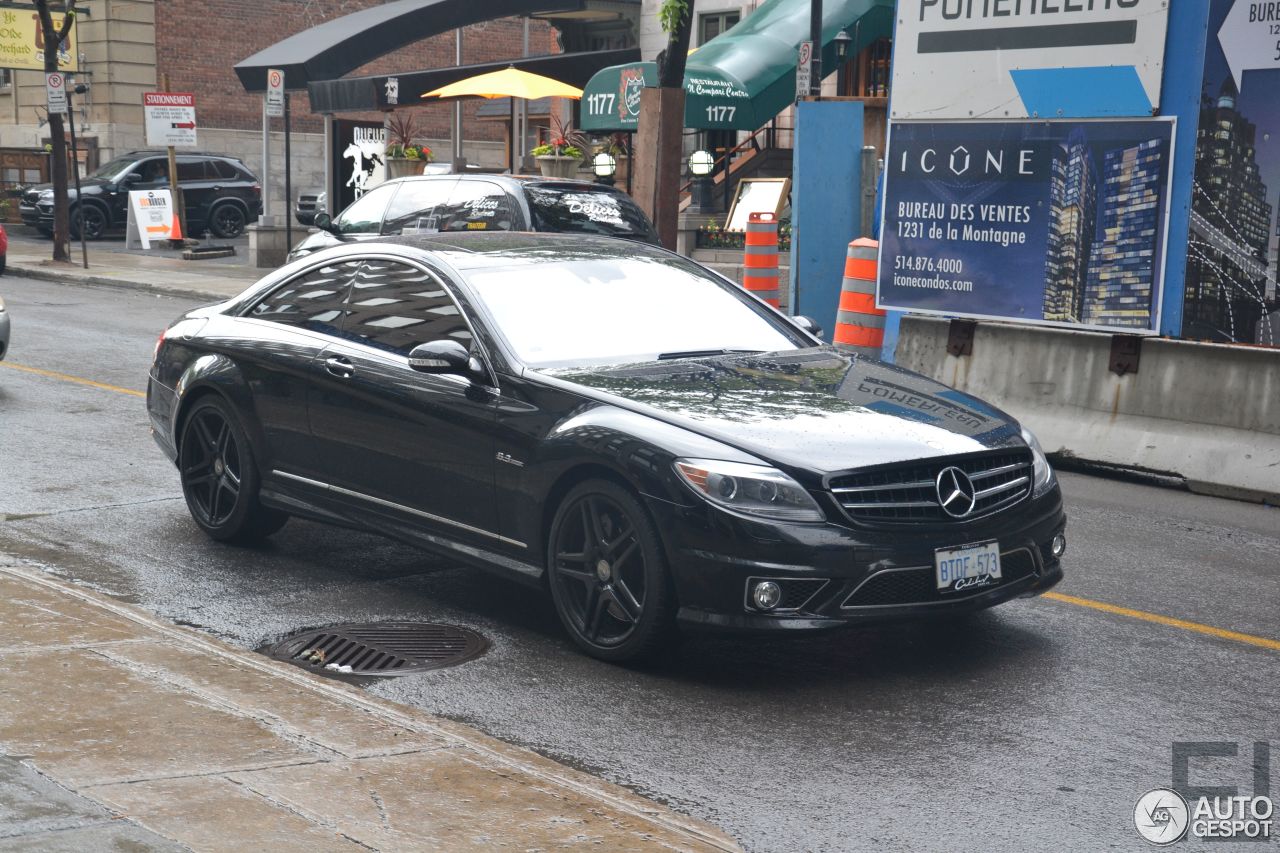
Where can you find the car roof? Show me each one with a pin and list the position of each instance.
(512, 180)
(477, 250)
(148, 152)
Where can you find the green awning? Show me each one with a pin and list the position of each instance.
(743, 77)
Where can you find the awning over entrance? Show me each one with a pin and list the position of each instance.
(328, 51)
(371, 93)
(744, 77)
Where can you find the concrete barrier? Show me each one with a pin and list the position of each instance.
(1208, 413)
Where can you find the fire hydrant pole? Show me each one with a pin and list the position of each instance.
(175, 191)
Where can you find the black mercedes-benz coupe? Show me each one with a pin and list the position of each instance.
(649, 441)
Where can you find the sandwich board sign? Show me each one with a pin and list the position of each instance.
(170, 118)
(151, 217)
(1007, 60)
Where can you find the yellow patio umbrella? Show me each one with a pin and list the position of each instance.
(507, 83)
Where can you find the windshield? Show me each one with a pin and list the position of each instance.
(582, 210)
(603, 310)
(114, 170)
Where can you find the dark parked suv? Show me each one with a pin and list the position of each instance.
(221, 194)
(430, 204)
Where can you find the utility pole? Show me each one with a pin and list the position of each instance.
(288, 179)
(78, 89)
(457, 104)
(815, 35)
(174, 189)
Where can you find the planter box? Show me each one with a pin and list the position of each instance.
(557, 167)
(403, 167)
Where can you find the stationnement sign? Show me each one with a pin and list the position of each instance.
(170, 118)
(998, 59)
(275, 92)
(55, 89)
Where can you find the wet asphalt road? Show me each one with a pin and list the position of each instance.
(1033, 726)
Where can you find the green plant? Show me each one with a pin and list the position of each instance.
(410, 152)
(672, 13)
(565, 141)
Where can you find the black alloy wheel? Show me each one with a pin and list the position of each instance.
(93, 219)
(219, 479)
(227, 222)
(608, 574)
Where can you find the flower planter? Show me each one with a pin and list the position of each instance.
(557, 167)
(403, 167)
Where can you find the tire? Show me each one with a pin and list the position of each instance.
(95, 222)
(219, 477)
(608, 574)
(47, 233)
(2, 261)
(227, 221)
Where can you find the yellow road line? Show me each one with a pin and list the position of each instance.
(1209, 630)
(67, 377)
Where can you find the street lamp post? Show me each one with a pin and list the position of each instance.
(815, 36)
(701, 164)
(843, 42)
(604, 165)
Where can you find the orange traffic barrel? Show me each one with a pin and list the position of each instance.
(760, 263)
(859, 324)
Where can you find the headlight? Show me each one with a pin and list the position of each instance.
(46, 195)
(1, 304)
(750, 489)
(1042, 471)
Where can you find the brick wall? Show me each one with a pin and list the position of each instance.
(199, 41)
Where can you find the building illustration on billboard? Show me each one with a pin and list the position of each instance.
(1123, 264)
(1233, 247)
(1060, 222)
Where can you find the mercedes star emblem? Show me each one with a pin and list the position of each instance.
(956, 493)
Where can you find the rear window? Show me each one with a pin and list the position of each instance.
(582, 210)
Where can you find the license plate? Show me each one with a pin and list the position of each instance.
(967, 567)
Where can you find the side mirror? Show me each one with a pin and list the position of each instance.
(133, 178)
(442, 357)
(324, 222)
(808, 325)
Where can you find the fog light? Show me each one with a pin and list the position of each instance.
(1059, 545)
(766, 595)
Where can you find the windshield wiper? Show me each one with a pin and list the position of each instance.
(702, 353)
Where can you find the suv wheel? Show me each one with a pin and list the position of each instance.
(94, 219)
(227, 221)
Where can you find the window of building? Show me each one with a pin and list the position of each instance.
(396, 307)
(715, 23)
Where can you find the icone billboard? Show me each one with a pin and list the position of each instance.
(1050, 222)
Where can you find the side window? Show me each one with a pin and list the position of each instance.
(478, 206)
(192, 170)
(364, 216)
(153, 171)
(417, 205)
(225, 171)
(315, 300)
(395, 307)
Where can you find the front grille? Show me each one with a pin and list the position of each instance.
(896, 587)
(909, 494)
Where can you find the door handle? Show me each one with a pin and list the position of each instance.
(339, 367)
(217, 189)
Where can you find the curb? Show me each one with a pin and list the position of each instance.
(516, 758)
(69, 276)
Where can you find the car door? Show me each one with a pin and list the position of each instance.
(274, 344)
(151, 173)
(197, 179)
(417, 444)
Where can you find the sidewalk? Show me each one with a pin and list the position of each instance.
(163, 271)
(124, 732)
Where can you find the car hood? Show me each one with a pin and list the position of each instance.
(85, 183)
(817, 409)
(314, 242)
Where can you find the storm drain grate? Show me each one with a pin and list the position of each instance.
(380, 648)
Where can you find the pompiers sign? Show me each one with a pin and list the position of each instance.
(22, 42)
(998, 59)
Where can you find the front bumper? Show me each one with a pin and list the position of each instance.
(33, 216)
(835, 575)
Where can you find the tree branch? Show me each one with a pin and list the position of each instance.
(67, 21)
